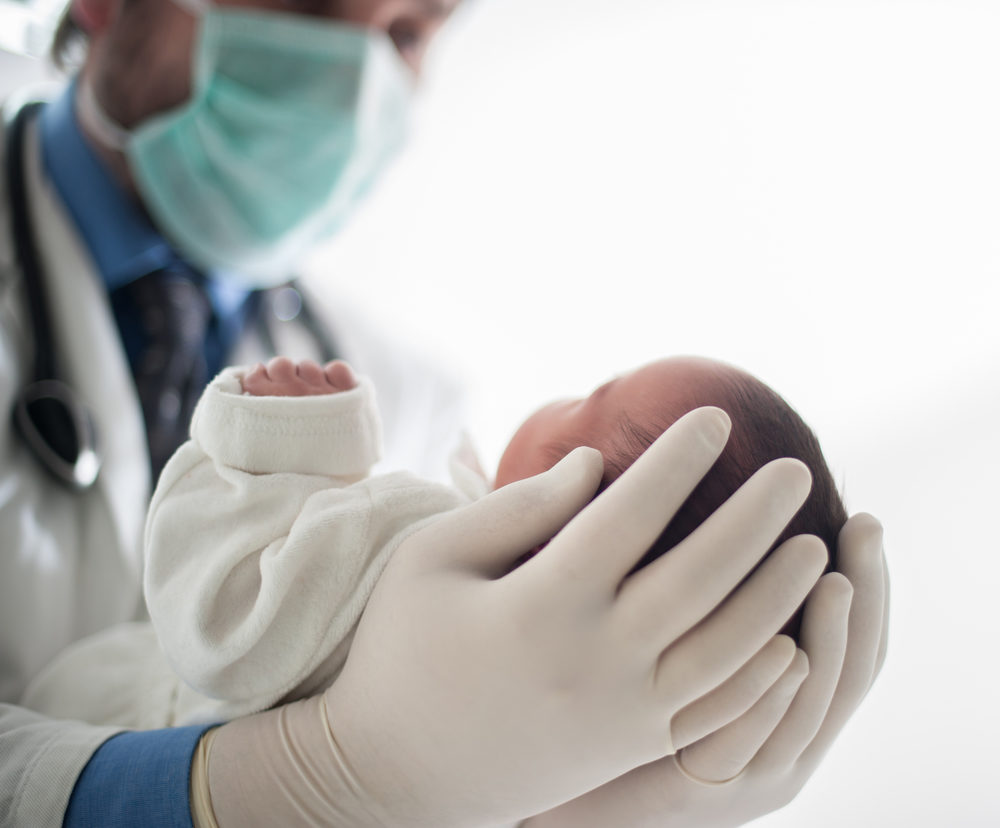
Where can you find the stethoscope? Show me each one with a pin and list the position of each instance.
(52, 419)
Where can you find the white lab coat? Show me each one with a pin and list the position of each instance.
(70, 562)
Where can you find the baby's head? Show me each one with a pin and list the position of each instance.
(624, 416)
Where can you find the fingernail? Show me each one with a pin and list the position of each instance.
(799, 668)
(717, 425)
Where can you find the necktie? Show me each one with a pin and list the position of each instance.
(173, 312)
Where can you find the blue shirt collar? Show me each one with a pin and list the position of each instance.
(122, 241)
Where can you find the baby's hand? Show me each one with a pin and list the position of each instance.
(283, 378)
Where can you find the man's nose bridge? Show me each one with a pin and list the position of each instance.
(377, 14)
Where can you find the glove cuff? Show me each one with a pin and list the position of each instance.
(283, 767)
(202, 814)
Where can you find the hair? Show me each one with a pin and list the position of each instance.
(764, 428)
(69, 42)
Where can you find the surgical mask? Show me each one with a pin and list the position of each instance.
(290, 120)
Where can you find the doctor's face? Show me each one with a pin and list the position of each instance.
(140, 53)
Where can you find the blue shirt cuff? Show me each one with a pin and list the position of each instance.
(137, 778)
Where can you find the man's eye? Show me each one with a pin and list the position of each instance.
(405, 35)
(310, 7)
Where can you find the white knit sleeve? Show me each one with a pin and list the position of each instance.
(256, 574)
(333, 434)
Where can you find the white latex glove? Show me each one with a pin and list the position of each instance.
(476, 695)
(769, 753)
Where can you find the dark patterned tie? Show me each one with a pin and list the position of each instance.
(170, 371)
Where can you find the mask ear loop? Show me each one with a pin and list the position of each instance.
(50, 417)
(94, 119)
(93, 116)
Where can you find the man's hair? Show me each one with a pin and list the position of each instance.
(68, 42)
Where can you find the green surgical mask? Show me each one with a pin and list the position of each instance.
(290, 120)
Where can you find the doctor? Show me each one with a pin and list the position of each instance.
(148, 216)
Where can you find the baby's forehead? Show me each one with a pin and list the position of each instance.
(673, 383)
(651, 398)
(640, 405)
(681, 368)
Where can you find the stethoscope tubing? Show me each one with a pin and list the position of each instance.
(53, 421)
(50, 416)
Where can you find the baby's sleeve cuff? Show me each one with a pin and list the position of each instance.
(337, 434)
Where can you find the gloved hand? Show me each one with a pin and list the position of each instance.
(760, 761)
(476, 693)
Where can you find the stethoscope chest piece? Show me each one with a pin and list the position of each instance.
(59, 432)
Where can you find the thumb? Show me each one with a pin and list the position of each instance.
(489, 536)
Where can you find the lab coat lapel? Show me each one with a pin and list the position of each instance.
(90, 354)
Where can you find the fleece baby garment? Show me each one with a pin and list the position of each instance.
(264, 540)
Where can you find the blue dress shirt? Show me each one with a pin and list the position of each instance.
(137, 778)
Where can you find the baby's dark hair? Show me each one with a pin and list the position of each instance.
(764, 428)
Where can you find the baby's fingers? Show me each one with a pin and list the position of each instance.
(280, 369)
(339, 374)
(310, 373)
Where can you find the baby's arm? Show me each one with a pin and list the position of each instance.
(258, 542)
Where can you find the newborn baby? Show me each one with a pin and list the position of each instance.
(266, 534)
(624, 416)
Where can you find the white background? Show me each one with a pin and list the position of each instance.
(808, 189)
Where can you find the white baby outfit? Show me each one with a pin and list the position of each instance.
(263, 543)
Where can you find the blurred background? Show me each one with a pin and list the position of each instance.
(809, 189)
